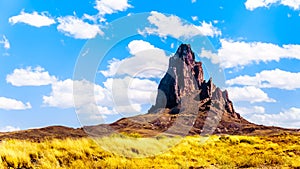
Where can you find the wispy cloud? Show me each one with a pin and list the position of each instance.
(253, 4)
(33, 19)
(9, 129)
(5, 42)
(194, 18)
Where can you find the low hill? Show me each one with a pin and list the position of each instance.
(52, 132)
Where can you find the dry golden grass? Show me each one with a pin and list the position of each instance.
(282, 151)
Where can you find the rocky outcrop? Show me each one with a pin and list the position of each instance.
(185, 76)
(186, 104)
(179, 80)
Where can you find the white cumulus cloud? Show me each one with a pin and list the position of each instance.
(77, 28)
(239, 53)
(91, 101)
(247, 111)
(129, 89)
(253, 4)
(288, 118)
(33, 19)
(94, 103)
(137, 46)
(85, 92)
(30, 77)
(173, 26)
(295, 4)
(249, 94)
(269, 79)
(147, 62)
(129, 94)
(12, 104)
(111, 6)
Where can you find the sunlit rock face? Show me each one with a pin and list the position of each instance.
(184, 77)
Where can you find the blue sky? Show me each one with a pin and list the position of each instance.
(115, 51)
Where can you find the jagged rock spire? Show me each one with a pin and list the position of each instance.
(185, 76)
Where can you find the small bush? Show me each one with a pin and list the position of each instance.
(248, 141)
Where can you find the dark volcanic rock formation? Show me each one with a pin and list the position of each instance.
(185, 76)
(186, 104)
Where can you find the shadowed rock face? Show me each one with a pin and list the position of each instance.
(185, 76)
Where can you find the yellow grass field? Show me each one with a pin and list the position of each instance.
(278, 151)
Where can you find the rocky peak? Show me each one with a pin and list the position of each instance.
(186, 104)
(184, 77)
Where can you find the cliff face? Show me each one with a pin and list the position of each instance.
(184, 77)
